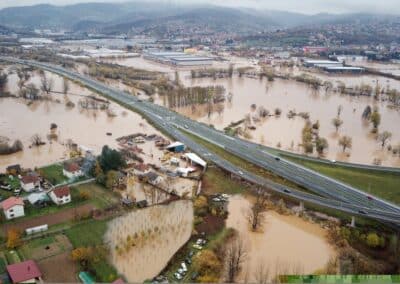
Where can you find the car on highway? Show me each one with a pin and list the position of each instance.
(186, 126)
(362, 212)
(240, 173)
(369, 197)
(287, 190)
(333, 161)
(277, 159)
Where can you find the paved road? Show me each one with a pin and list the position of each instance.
(332, 194)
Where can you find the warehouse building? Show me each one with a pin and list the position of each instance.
(177, 58)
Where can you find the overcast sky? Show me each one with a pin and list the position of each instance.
(304, 6)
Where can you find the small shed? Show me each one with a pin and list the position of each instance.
(86, 278)
(176, 147)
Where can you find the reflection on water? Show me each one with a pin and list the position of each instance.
(142, 242)
(287, 244)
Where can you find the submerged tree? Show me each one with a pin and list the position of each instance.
(255, 214)
(46, 84)
(345, 142)
(3, 81)
(65, 86)
(337, 122)
(383, 137)
(375, 120)
(235, 254)
(321, 144)
(36, 140)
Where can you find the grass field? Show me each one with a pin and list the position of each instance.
(91, 234)
(242, 163)
(87, 234)
(216, 180)
(3, 263)
(12, 256)
(54, 173)
(100, 196)
(381, 184)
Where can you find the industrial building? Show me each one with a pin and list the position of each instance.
(177, 58)
(332, 66)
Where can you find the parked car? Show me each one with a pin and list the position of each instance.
(196, 246)
(187, 260)
(191, 254)
(178, 276)
(181, 271)
(184, 267)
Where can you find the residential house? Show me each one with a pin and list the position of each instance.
(72, 170)
(153, 178)
(13, 207)
(24, 272)
(30, 182)
(60, 195)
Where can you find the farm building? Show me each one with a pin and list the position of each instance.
(176, 147)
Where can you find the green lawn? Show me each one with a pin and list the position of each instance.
(100, 196)
(12, 256)
(54, 173)
(242, 163)
(3, 263)
(91, 233)
(381, 184)
(87, 234)
(216, 180)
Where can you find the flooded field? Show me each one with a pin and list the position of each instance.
(287, 244)
(142, 242)
(21, 120)
(290, 95)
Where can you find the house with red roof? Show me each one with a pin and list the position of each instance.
(30, 182)
(24, 272)
(61, 195)
(13, 207)
(72, 170)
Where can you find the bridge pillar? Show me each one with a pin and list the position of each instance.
(353, 222)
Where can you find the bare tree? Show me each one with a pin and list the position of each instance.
(65, 86)
(46, 84)
(337, 122)
(383, 137)
(235, 255)
(36, 140)
(345, 142)
(255, 214)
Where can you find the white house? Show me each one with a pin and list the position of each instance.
(61, 195)
(72, 170)
(29, 183)
(13, 207)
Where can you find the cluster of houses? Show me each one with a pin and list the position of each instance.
(39, 192)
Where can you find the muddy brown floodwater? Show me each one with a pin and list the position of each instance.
(142, 242)
(291, 95)
(19, 120)
(287, 244)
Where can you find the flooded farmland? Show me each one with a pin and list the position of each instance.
(142, 242)
(286, 132)
(21, 119)
(288, 244)
(287, 95)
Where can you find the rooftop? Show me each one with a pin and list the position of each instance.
(61, 191)
(23, 271)
(11, 202)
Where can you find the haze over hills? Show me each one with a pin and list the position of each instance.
(123, 17)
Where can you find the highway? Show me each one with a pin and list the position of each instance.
(330, 193)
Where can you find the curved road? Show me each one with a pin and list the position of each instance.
(332, 194)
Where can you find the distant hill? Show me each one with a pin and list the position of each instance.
(159, 17)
